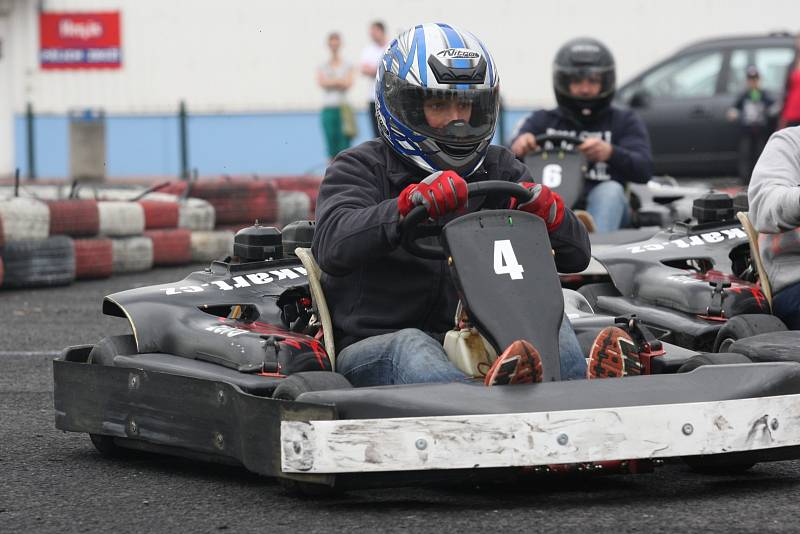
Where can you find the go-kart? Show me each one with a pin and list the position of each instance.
(560, 166)
(236, 364)
(692, 283)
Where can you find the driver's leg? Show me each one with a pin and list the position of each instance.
(607, 204)
(408, 356)
(573, 360)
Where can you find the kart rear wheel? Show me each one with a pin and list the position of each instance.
(720, 464)
(602, 289)
(299, 383)
(748, 325)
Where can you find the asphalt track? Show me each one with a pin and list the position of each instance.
(55, 482)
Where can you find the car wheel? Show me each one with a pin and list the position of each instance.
(748, 325)
(716, 464)
(297, 384)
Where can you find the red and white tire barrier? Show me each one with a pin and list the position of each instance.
(293, 206)
(171, 247)
(132, 254)
(24, 219)
(120, 218)
(210, 246)
(73, 217)
(94, 258)
(160, 214)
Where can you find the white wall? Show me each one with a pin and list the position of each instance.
(261, 55)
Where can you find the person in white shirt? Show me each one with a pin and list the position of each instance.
(335, 76)
(370, 58)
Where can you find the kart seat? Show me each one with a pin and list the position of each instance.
(769, 347)
(755, 254)
(320, 305)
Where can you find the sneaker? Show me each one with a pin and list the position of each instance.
(520, 363)
(614, 355)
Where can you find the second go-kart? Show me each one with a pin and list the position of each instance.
(561, 167)
(236, 364)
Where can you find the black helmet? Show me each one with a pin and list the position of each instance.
(580, 59)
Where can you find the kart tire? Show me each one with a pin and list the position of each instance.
(602, 289)
(725, 464)
(196, 214)
(159, 214)
(713, 358)
(103, 353)
(41, 263)
(120, 218)
(74, 218)
(747, 325)
(24, 219)
(293, 206)
(132, 254)
(105, 350)
(210, 246)
(94, 258)
(295, 385)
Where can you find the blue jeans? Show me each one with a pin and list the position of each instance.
(786, 306)
(608, 206)
(410, 356)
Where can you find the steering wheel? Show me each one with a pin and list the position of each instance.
(557, 138)
(409, 226)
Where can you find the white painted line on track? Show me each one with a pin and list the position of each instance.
(52, 353)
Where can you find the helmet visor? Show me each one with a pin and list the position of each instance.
(452, 116)
(584, 83)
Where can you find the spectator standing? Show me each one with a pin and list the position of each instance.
(752, 111)
(790, 116)
(335, 76)
(370, 58)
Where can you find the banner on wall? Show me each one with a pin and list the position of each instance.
(80, 40)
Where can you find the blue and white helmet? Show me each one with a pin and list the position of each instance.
(438, 63)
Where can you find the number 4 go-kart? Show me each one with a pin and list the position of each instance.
(230, 365)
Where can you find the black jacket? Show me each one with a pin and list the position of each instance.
(631, 160)
(372, 285)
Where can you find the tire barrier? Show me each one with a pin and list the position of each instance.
(239, 200)
(196, 214)
(39, 263)
(24, 219)
(131, 254)
(306, 184)
(74, 218)
(160, 214)
(120, 218)
(210, 246)
(293, 206)
(2, 271)
(93, 258)
(171, 247)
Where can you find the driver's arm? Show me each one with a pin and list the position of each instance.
(774, 191)
(524, 138)
(632, 157)
(355, 219)
(569, 240)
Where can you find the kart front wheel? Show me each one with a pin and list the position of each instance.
(748, 325)
(295, 385)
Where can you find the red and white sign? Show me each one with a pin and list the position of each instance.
(80, 40)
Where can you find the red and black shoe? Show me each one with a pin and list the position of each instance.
(614, 355)
(520, 363)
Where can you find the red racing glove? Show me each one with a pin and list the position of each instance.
(442, 192)
(545, 203)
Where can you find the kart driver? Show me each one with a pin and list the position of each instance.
(616, 143)
(390, 308)
(774, 199)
